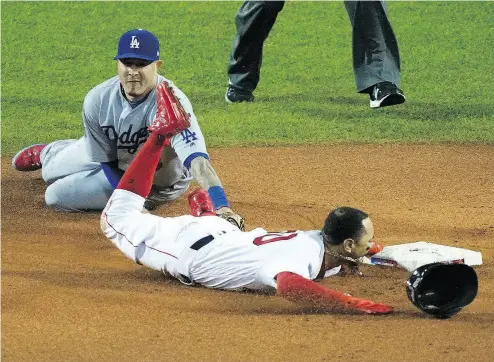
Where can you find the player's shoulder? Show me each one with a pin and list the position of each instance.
(310, 234)
(178, 92)
(310, 239)
(107, 87)
(313, 234)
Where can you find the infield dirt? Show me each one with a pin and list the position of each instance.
(69, 295)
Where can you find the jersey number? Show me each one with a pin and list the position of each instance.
(272, 237)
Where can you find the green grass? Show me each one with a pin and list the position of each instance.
(53, 53)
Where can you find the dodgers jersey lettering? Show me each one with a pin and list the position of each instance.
(115, 131)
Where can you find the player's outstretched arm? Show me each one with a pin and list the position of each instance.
(301, 290)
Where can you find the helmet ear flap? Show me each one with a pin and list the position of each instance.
(442, 290)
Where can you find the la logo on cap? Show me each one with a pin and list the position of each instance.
(138, 44)
(134, 43)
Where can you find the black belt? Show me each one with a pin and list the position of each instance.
(196, 246)
(202, 242)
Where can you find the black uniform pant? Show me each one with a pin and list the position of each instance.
(374, 47)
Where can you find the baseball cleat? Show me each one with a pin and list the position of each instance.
(233, 95)
(28, 159)
(200, 204)
(386, 94)
(171, 117)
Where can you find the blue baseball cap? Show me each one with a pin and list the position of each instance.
(139, 44)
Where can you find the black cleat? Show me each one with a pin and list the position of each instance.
(385, 94)
(233, 95)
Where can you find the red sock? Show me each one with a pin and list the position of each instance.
(138, 178)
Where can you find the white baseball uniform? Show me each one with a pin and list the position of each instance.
(114, 130)
(209, 250)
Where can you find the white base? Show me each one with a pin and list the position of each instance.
(413, 255)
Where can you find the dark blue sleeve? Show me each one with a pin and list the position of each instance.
(112, 172)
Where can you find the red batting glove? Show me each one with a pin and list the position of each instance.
(375, 248)
(367, 306)
(200, 203)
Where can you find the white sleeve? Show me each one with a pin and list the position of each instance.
(101, 144)
(295, 263)
(146, 239)
(190, 143)
(305, 262)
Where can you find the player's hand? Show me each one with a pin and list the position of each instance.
(233, 218)
(367, 306)
(350, 268)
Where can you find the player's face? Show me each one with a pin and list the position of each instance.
(137, 77)
(362, 245)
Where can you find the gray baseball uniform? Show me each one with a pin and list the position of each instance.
(114, 130)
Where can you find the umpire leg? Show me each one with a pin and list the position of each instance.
(254, 21)
(375, 49)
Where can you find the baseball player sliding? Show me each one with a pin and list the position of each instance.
(81, 174)
(208, 250)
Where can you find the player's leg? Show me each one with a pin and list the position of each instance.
(179, 180)
(75, 182)
(81, 191)
(40, 156)
(254, 21)
(62, 158)
(147, 239)
(376, 58)
(138, 178)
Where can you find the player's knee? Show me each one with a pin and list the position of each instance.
(52, 199)
(46, 174)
